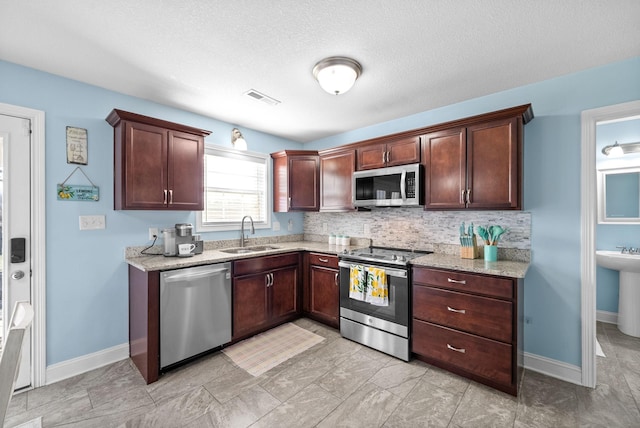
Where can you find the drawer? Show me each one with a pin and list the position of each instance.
(263, 264)
(323, 260)
(483, 316)
(482, 357)
(460, 281)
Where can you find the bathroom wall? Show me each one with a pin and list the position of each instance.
(609, 236)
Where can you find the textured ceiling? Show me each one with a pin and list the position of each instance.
(203, 55)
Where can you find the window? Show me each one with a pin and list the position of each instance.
(235, 185)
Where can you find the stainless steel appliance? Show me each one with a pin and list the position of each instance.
(195, 311)
(181, 234)
(396, 186)
(385, 328)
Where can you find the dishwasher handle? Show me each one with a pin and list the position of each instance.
(187, 276)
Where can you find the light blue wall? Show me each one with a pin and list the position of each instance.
(551, 188)
(86, 276)
(609, 236)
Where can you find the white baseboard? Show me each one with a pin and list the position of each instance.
(553, 368)
(75, 366)
(608, 317)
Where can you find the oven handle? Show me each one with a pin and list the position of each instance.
(400, 273)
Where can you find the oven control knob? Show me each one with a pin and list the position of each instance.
(394, 257)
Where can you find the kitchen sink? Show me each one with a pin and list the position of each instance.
(252, 249)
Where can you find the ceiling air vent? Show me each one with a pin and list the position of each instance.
(261, 97)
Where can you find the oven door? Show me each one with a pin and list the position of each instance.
(395, 317)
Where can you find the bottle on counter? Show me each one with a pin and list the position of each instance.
(332, 239)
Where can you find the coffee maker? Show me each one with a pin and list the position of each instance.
(182, 233)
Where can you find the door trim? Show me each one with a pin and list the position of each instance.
(38, 237)
(589, 119)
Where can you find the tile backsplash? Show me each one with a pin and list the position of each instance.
(419, 229)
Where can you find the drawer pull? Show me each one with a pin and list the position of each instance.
(457, 311)
(461, 350)
(323, 260)
(456, 281)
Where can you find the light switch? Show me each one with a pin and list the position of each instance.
(276, 226)
(92, 222)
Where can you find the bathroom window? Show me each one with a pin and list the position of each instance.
(235, 185)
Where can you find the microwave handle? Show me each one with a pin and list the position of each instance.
(403, 184)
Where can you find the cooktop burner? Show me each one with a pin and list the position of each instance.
(397, 256)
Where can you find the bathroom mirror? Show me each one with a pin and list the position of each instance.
(619, 195)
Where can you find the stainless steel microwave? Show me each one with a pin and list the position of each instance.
(396, 186)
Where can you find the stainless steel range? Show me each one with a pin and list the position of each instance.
(382, 327)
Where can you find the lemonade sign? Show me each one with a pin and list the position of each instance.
(70, 192)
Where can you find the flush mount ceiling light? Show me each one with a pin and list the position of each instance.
(616, 150)
(337, 74)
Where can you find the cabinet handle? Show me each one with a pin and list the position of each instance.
(462, 199)
(457, 311)
(456, 281)
(323, 260)
(266, 280)
(165, 197)
(388, 155)
(468, 201)
(170, 197)
(289, 202)
(461, 350)
(271, 276)
(336, 280)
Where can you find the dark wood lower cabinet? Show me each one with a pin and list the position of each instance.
(469, 324)
(322, 289)
(144, 322)
(266, 292)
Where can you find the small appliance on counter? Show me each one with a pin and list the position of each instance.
(181, 234)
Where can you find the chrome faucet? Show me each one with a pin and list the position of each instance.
(623, 249)
(253, 230)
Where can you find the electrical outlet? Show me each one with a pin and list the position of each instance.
(276, 226)
(290, 225)
(92, 222)
(153, 231)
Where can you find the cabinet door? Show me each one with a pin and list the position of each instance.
(145, 154)
(372, 156)
(493, 156)
(336, 174)
(250, 304)
(324, 287)
(403, 152)
(185, 172)
(284, 294)
(304, 188)
(444, 158)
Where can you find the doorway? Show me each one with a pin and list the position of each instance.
(22, 266)
(590, 119)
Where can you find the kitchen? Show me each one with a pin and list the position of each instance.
(87, 305)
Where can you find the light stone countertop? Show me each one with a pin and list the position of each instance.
(512, 269)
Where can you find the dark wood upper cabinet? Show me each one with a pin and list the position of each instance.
(296, 175)
(336, 174)
(158, 165)
(397, 152)
(476, 164)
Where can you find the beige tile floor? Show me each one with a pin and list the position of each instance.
(337, 383)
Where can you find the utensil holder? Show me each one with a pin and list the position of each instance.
(470, 252)
(490, 253)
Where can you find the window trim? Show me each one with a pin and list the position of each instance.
(239, 154)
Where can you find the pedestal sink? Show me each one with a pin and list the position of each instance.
(629, 295)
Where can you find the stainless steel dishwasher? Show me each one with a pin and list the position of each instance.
(195, 311)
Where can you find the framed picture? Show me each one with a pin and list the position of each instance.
(77, 145)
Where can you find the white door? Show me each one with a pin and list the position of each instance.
(15, 226)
